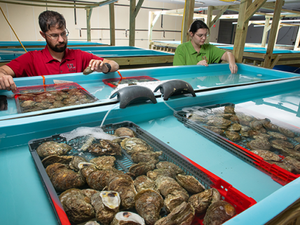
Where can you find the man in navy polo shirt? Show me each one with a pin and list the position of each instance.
(55, 58)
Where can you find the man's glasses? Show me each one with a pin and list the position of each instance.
(56, 36)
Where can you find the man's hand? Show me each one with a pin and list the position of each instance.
(7, 83)
(98, 65)
(6, 79)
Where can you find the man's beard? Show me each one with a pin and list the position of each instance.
(56, 48)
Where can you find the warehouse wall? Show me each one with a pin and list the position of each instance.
(286, 35)
(24, 20)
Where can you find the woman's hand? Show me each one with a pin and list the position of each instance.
(233, 68)
(229, 57)
(202, 62)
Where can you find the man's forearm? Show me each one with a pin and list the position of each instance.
(114, 65)
(6, 70)
(2, 71)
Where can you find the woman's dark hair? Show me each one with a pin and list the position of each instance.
(197, 24)
(48, 19)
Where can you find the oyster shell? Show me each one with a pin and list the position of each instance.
(134, 144)
(141, 168)
(169, 165)
(106, 205)
(56, 159)
(292, 162)
(104, 162)
(124, 185)
(267, 155)
(262, 130)
(105, 147)
(89, 193)
(219, 122)
(175, 198)
(262, 144)
(58, 104)
(244, 119)
(28, 104)
(297, 147)
(110, 199)
(86, 168)
(167, 185)
(232, 135)
(252, 133)
(145, 156)
(235, 127)
(198, 118)
(148, 204)
(92, 223)
(245, 131)
(290, 152)
(181, 215)
(52, 148)
(218, 212)
(297, 139)
(277, 135)
(76, 206)
(234, 118)
(154, 174)
(286, 132)
(262, 136)
(63, 178)
(144, 182)
(202, 200)
(229, 109)
(190, 183)
(87, 70)
(270, 126)
(124, 132)
(281, 144)
(128, 218)
(257, 124)
(226, 115)
(214, 129)
(76, 160)
(100, 178)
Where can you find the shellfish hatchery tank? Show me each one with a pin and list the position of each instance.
(258, 93)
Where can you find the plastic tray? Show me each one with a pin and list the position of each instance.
(239, 149)
(114, 82)
(34, 91)
(239, 200)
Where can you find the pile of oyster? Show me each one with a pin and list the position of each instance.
(30, 102)
(152, 192)
(275, 144)
(129, 81)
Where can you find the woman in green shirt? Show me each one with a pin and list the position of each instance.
(196, 52)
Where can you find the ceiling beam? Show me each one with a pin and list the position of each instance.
(58, 4)
(219, 15)
(253, 8)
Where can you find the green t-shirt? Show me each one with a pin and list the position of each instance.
(185, 54)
